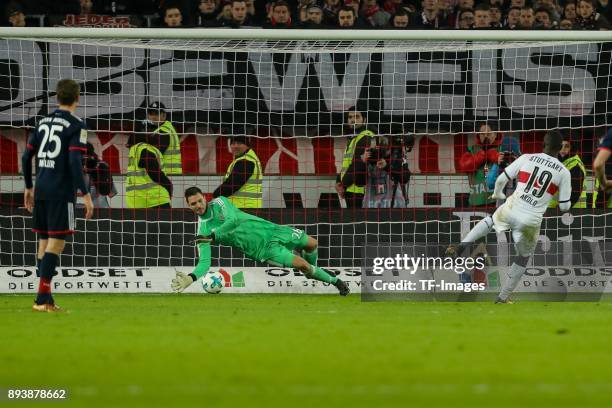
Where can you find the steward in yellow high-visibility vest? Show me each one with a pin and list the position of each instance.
(146, 185)
(243, 181)
(574, 164)
(350, 183)
(169, 142)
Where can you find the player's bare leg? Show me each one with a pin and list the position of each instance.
(314, 272)
(48, 253)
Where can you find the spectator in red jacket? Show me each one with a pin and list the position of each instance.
(280, 15)
(477, 160)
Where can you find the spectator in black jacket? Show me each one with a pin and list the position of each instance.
(347, 18)
(330, 12)
(588, 18)
(98, 178)
(239, 16)
(173, 16)
(207, 16)
(14, 15)
(513, 18)
(314, 17)
(400, 21)
(430, 17)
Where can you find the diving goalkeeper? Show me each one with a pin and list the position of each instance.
(221, 222)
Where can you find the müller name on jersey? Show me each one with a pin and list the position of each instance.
(545, 162)
(46, 163)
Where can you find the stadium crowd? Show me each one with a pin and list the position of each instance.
(314, 14)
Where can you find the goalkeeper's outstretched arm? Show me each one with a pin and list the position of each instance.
(182, 281)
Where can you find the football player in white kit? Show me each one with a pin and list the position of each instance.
(539, 177)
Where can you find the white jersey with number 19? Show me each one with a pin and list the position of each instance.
(539, 177)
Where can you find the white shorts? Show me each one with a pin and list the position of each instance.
(525, 227)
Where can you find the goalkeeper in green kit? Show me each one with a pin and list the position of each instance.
(222, 223)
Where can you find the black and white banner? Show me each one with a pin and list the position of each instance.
(524, 87)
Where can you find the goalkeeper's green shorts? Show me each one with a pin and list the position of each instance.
(283, 241)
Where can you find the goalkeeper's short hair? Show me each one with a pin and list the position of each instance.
(191, 191)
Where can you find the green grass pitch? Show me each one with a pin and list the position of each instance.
(302, 350)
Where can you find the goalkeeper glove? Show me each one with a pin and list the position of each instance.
(181, 282)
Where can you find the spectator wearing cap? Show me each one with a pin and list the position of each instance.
(314, 17)
(167, 139)
(207, 16)
(238, 15)
(242, 183)
(374, 14)
(14, 15)
(280, 15)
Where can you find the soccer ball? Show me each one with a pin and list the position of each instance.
(213, 282)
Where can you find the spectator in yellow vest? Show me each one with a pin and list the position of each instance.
(572, 161)
(168, 140)
(242, 183)
(350, 183)
(146, 184)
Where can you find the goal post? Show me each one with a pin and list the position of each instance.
(424, 92)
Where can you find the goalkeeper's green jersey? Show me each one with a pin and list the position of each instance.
(232, 227)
